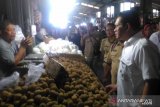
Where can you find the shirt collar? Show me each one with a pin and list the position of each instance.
(133, 39)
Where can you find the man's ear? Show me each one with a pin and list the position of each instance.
(127, 26)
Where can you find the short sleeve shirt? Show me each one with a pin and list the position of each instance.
(155, 38)
(7, 53)
(139, 61)
(105, 46)
(113, 57)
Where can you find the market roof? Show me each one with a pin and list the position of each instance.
(88, 8)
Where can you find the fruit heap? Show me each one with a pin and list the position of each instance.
(81, 89)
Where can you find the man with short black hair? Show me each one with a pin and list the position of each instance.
(139, 69)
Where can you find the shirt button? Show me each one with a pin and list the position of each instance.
(122, 75)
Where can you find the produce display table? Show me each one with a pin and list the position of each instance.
(81, 88)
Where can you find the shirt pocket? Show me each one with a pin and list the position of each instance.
(126, 68)
(114, 56)
(116, 53)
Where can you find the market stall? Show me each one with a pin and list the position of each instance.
(67, 82)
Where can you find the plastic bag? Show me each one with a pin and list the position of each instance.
(9, 81)
(19, 35)
(34, 73)
(45, 59)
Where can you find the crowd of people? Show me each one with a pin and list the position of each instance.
(130, 54)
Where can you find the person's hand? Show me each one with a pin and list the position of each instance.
(23, 43)
(111, 88)
(27, 42)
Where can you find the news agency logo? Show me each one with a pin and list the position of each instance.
(143, 102)
(113, 101)
(146, 102)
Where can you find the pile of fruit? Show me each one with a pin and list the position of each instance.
(81, 90)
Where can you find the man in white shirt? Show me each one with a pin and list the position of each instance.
(155, 38)
(139, 69)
